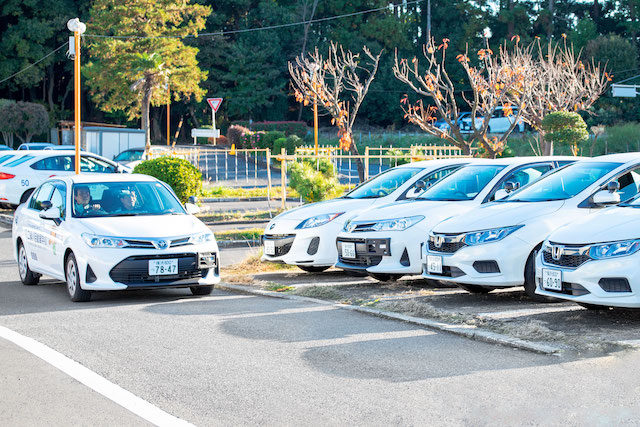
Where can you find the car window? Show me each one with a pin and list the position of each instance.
(43, 193)
(129, 155)
(383, 184)
(54, 163)
(58, 198)
(429, 179)
(19, 161)
(563, 183)
(523, 176)
(92, 164)
(464, 184)
(629, 182)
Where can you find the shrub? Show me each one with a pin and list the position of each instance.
(290, 144)
(184, 178)
(314, 185)
(289, 128)
(566, 129)
(235, 134)
(269, 138)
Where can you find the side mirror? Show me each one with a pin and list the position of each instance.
(193, 199)
(191, 208)
(606, 197)
(501, 194)
(46, 205)
(52, 214)
(613, 186)
(510, 186)
(420, 185)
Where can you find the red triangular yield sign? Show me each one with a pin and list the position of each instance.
(214, 103)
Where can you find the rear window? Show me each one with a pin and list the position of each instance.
(19, 161)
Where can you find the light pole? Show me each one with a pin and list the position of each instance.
(77, 28)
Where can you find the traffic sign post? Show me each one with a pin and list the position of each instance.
(214, 133)
(214, 103)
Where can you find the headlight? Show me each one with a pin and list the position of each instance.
(317, 221)
(96, 241)
(397, 224)
(199, 238)
(488, 236)
(614, 249)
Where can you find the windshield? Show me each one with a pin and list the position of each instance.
(107, 199)
(383, 184)
(464, 184)
(131, 155)
(564, 183)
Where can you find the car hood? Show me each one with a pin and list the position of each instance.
(147, 226)
(348, 206)
(428, 208)
(495, 215)
(608, 225)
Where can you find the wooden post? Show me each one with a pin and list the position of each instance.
(366, 163)
(283, 177)
(268, 152)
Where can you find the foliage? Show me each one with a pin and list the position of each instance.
(619, 139)
(289, 144)
(24, 119)
(314, 185)
(565, 128)
(245, 234)
(617, 53)
(289, 128)
(269, 138)
(235, 134)
(184, 178)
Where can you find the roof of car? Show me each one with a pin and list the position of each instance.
(87, 178)
(619, 157)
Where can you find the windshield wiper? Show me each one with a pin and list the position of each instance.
(124, 214)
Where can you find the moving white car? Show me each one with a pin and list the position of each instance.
(305, 236)
(594, 261)
(495, 245)
(22, 171)
(387, 242)
(498, 123)
(105, 232)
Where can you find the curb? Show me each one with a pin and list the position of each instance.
(230, 244)
(471, 332)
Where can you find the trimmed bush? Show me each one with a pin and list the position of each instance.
(290, 144)
(184, 178)
(289, 128)
(269, 138)
(566, 129)
(314, 185)
(235, 134)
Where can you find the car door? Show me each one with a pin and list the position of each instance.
(34, 234)
(56, 232)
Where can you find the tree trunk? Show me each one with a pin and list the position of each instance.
(354, 152)
(550, 27)
(51, 86)
(545, 146)
(155, 124)
(146, 103)
(511, 24)
(193, 117)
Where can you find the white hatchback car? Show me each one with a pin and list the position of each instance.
(387, 242)
(495, 245)
(100, 232)
(22, 171)
(305, 236)
(595, 260)
(498, 123)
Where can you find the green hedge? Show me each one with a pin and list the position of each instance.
(289, 128)
(314, 185)
(182, 176)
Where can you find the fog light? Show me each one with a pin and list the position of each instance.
(614, 284)
(486, 267)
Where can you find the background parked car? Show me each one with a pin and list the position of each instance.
(35, 146)
(4, 147)
(134, 156)
(498, 123)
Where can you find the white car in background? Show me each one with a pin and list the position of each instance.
(594, 261)
(22, 171)
(134, 156)
(305, 236)
(495, 245)
(387, 242)
(99, 232)
(498, 123)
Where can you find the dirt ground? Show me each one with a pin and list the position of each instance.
(509, 311)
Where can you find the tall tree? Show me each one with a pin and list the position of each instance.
(143, 50)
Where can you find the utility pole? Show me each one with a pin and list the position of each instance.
(428, 21)
(77, 28)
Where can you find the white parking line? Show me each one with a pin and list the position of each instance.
(94, 381)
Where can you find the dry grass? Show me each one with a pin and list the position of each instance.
(254, 265)
(320, 292)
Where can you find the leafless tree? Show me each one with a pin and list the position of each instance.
(338, 83)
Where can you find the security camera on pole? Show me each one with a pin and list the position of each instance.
(77, 28)
(214, 133)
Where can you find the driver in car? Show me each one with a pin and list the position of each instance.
(82, 200)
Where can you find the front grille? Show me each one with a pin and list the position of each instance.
(448, 271)
(447, 248)
(134, 270)
(486, 267)
(573, 289)
(614, 284)
(364, 256)
(568, 261)
(282, 242)
(148, 244)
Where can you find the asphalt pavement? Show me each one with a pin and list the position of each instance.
(235, 359)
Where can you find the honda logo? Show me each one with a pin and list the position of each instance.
(438, 241)
(557, 252)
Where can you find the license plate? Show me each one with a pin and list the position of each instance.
(552, 279)
(434, 264)
(348, 250)
(163, 267)
(269, 247)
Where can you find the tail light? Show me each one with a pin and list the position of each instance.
(6, 175)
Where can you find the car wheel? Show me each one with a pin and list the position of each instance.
(76, 293)
(383, 277)
(27, 276)
(312, 269)
(593, 306)
(201, 290)
(475, 289)
(530, 279)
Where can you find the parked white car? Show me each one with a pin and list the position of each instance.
(495, 245)
(387, 242)
(22, 171)
(498, 123)
(104, 232)
(134, 156)
(594, 261)
(305, 236)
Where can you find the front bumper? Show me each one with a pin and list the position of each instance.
(587, 283)
(498, 264)
(313, 246)
(397, 252)
(121, 269)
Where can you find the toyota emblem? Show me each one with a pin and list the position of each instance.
(162, 244)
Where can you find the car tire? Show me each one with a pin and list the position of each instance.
(383, 277)
(27, 276)
(201, 290)
(72, 275)
(530, 279)
(312, 269)
(26, 195)
(475, 289)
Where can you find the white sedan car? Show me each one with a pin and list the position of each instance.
(22, 171)
(305, 236)
(100, 232)
(387, 242)
(594, 261)
(495, 245)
